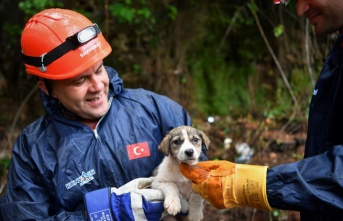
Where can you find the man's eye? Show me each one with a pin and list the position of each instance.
(80, 81)
(99, 70)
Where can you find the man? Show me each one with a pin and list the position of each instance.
(313, 185)
(85, 157)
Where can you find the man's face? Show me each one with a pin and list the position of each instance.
(325, 15)
(86, 94)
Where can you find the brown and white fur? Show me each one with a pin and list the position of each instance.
(181, 145)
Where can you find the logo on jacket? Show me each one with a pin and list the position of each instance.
(85, 177)
(138, 150)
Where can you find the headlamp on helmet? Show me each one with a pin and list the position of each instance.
(84, 35)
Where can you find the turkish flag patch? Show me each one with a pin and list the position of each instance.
(138, 150)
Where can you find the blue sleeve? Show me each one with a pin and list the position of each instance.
(26, 196)
(311, 184)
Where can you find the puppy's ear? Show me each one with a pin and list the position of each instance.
(164, 145)
(206, 141)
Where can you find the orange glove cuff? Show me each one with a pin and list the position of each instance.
(251, 186)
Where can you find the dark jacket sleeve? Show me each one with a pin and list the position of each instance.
(26, 196)
(312, 184)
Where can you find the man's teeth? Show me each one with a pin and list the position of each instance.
(94, 99)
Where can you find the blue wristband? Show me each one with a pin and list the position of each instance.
(98, 205)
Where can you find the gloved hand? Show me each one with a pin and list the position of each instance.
(132, 201)
(226, 185)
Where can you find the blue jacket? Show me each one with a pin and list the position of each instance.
(55, 160)
(314, 185)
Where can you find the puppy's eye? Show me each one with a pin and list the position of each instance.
(177, 142)
(195, 140)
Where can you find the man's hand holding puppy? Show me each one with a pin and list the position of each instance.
(132, 201)
(226, 185)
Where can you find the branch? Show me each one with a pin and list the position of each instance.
(20, 109)
(277, 63)
(308, 58)
(229, 28)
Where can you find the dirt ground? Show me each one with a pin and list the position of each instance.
(272, 145)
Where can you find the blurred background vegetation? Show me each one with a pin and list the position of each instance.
(229, 59)
(237, 59)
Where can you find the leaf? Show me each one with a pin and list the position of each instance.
(278, 30)
(122, 12)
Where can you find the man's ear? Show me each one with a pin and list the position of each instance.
(41, 84)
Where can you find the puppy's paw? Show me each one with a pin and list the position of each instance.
(172, 205)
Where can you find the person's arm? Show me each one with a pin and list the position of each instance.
(26, 196)
(312, 184)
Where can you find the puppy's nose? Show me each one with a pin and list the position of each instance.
(189, 152)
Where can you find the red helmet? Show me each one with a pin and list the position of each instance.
(59, 44)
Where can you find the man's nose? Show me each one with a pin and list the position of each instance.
(96, 83)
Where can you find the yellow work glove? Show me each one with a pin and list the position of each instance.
(226, 185)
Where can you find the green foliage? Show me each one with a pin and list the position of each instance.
(172, 12)
(216, 45)
(221, 87)
(225, 76)
(13, 32)
(122, 12)
(4, 164)
(252, 6)
(279, 214)
(31, 7)
(278, 30)
(127, 12)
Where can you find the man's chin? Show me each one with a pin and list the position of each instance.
(98, 112)
(94, 115)
(98, 115)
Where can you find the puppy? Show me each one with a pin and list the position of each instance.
(181, 145)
